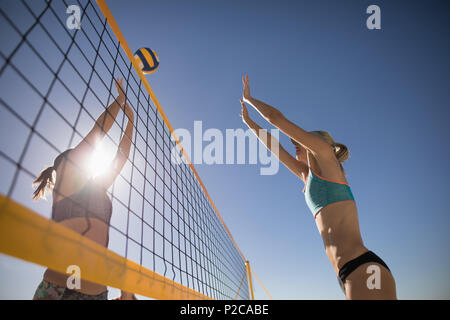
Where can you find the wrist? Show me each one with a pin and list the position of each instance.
(120, 101)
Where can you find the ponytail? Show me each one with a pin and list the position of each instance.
(341, 152)
(44, 180)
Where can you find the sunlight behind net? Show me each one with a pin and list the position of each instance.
(101, 160)
(165, 229)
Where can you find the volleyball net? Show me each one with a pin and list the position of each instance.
(167, 239)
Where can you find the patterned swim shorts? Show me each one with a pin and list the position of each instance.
(50, 291)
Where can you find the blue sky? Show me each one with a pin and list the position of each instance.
(383, 93)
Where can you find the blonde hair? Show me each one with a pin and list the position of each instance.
(46, 179)
(340, 150)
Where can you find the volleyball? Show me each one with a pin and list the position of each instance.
(147, 60)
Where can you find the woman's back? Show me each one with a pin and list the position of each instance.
(86, 210)
(90, 202)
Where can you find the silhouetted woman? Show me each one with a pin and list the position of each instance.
(80, 201)
(361, 273)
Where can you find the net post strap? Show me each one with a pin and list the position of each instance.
(240, 285)
(267, 292)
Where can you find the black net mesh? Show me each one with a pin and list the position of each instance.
(55, 82)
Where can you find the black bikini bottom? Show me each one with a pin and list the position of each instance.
(352, 265)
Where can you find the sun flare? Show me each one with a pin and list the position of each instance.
(100, 160)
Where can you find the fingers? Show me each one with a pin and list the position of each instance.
(245, 80)
(118, 82)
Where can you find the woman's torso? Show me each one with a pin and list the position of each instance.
(338, 222)
(85, 210)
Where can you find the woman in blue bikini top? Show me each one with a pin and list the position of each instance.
(318, 163)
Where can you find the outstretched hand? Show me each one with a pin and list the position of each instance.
(120, 91)
(244, 112)
(246, 92)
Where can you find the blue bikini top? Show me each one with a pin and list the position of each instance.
(321, 192)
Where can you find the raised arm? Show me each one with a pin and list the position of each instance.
(123, 151)
(317, 146)
(102, 125)
(298, 168)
